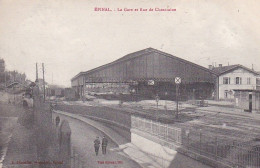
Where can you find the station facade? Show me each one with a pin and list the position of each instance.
(147, 73)
(235, 77)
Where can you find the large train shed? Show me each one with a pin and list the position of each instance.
(147, 73)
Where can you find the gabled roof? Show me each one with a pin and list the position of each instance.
(141, 53)
(126, 57)
(14, 84)
(226, 69)
(223, 69)
(134, 54)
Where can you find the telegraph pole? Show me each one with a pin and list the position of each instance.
(43, 82)
(36, 80)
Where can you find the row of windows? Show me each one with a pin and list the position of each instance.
(237, 80)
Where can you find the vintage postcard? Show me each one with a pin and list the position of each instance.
(128, 84)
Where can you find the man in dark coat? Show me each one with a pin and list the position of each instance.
(96, 145)
(57, 121)
(104, 145)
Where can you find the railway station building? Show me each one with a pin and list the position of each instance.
(235, 77)
(147, 73)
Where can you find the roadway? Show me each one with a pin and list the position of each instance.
(82, 138)
(224, 123)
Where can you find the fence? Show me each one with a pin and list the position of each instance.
(230, 152)
(162, 131)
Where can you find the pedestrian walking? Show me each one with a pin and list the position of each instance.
(57, 121)
(96, 145)
(104, 145)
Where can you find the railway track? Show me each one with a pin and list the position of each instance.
(225, 124)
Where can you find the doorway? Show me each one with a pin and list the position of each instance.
(250, 102)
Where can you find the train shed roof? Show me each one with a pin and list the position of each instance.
(138, 54)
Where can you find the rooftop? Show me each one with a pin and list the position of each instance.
(140, 53)
(225, 69)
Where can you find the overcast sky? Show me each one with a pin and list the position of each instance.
(69, 36)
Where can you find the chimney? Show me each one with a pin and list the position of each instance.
(220, 65)
(210, 67)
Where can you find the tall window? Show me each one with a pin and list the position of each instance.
(226, 80)
(238, 80)
(226, 94)
(258, 81)
(249, 81)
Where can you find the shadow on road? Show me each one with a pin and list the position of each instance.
(181, 161)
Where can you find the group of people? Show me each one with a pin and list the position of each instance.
(97, 145)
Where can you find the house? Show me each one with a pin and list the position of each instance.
(258, 81)
(16, 87)
(234, 77)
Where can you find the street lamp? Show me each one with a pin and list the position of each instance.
(121, 99)
(157, 98)
(133, 95)
(187, 132)
(14, 94)
(166, 101)
(177, 101)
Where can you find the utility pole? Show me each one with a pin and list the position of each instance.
(43, 82)
(36, 80)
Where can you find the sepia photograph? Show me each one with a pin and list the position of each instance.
(129, 84)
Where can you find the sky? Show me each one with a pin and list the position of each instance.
(69, 36)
